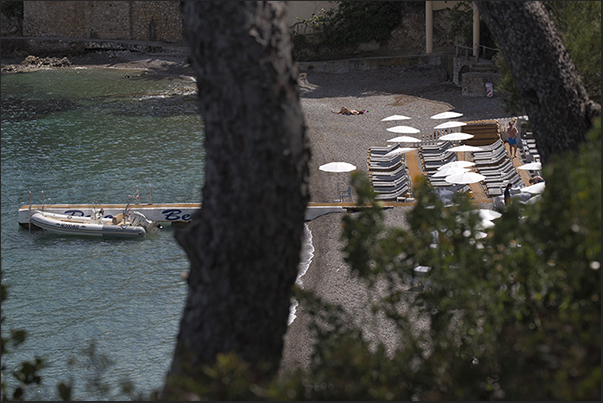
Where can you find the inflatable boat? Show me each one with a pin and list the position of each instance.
(131, 225)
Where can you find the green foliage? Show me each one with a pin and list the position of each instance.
(354, 22)
(12, 8)
(338, 31)
(580, 25)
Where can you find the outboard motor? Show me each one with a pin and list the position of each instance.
(140, 219)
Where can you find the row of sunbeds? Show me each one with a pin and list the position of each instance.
(388, 173)
(496, 166)
(433, 156)
(530, 151)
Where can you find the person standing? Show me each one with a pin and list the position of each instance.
(507, 194)
(512, 133)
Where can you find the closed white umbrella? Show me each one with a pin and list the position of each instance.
(395, 117)
(404, 139)
(448, 125)
(532, 166)
(456, 136)
(402, 129)
(447, 115)
(464, 147)
(400, 150)
(457, 164)
(465, 178)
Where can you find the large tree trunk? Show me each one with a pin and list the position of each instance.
(551, 90)
(244, 245)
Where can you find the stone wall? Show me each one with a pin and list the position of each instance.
(154, 21)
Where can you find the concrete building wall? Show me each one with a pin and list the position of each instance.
(135, 20)
(157, 21)
(154, 21)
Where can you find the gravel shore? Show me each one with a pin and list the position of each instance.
(415, 91)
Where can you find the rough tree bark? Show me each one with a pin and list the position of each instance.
(244, 244)
(551, 90)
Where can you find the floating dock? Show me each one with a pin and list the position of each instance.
(162, 213)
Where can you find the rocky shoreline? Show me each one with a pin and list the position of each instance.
(168, 63)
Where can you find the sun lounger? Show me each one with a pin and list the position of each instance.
(504, 164)
(390, 183)
(479, 155)
(385, 176)
(386, 164)
(393, 195)
(493, 160)
(490, 147)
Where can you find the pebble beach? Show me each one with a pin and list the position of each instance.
(418, 92)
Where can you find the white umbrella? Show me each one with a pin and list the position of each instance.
(487, 214)
(456, 136)
(395, 117)
(464, 147)
(448, 125)
(533, 199)
(403, 129)
(456, 164)
(465, 178)
(532, 166)
(480, 234)
(449, 171)
(483, 224)
(447, 115)
(337, 167)
(404, 139)
(400, 150)
(535, 189)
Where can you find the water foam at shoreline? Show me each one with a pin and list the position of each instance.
(306, 255)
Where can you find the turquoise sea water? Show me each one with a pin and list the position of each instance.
(83, 136)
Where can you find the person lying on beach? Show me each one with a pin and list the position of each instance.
(346, 111)
(536, 179)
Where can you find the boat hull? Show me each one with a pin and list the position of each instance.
(69, 225)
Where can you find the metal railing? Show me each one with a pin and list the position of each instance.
(462, 50)
(302, 28)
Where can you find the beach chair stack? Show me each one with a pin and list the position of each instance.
(388, 174)
(528, 146)
(494, 163)
(433, 156)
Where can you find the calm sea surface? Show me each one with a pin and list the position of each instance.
(83, 136)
